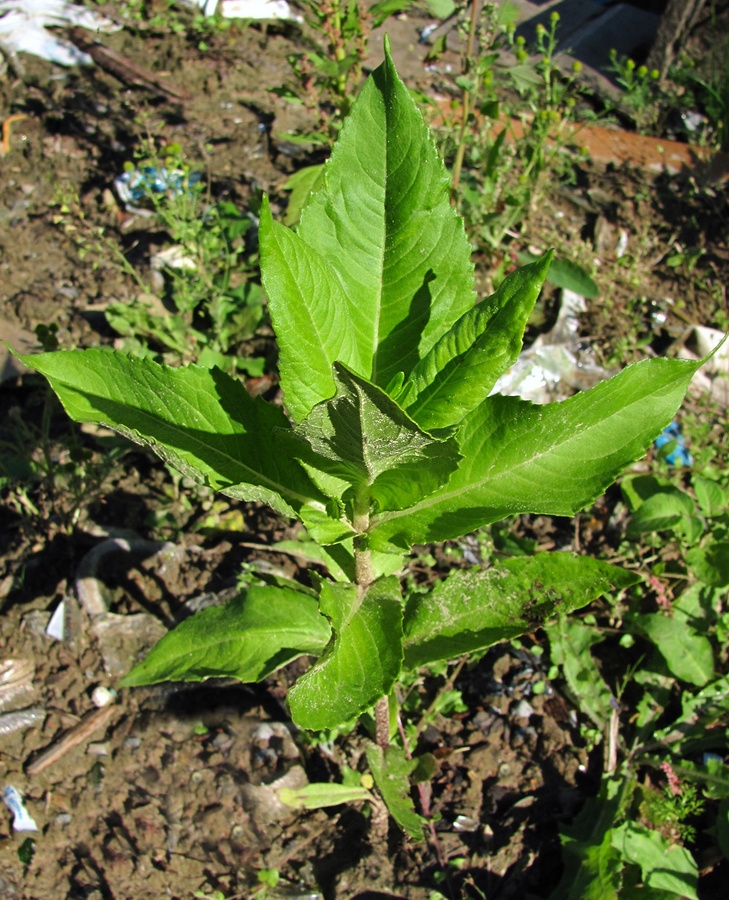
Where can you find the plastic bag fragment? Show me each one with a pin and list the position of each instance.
(23, 25)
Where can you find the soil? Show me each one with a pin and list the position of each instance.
(171, 792)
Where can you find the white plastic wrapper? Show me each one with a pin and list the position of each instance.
(712, 379)
(557, 364)
(246, 9)
(22, 819)
(23, 26)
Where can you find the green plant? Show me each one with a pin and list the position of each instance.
(329, 75)
(94, 243)
(664, 766)
(696, 92)
(703, 87)
(172, 17)
(390, 438)
(210, 302)
(505, 152)
(47, 475)
(642, 91)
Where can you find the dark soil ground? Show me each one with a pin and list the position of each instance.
(170, 794)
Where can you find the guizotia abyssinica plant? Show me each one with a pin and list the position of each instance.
(390, 437)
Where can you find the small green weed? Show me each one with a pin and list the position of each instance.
(641, 91)
(499, 170)
(708, 92)
(210, 302)
(664, 658)
(171, 17)
(202, 300)
(329, 73)
(47, 475)
(693, 100)
(327, 77)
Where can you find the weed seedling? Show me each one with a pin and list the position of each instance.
(499, 169)
(665, 765)
(388, 437)
(210, 303)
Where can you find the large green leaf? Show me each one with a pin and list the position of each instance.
(570, 641)
(687, 653)
(363, 437)
(384, 223)
(363, 658)
(310, 311)
(248, 638)
(663, 511)
(664, 866)
(460, 370)
(200, 420)
(710, 563)
(592, 865)
(391, 770)
(471, 610)
(553, 459)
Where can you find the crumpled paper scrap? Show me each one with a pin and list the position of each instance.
(23, 26)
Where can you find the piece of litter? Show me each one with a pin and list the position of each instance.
(23, 718)
(98, 749)
(426, 32)
(465, 824)
(22, 819)
(101, 696)
(557, 364)
(57, 626)
(523, 710)
(131, 187)
(173, 257)
(679, 455)
(23, 25)
(246, 9)
(16, 680)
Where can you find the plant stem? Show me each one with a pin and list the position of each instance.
(339, 50)
(362, 556)
(467, 97)
(364, 577)
(382, 722)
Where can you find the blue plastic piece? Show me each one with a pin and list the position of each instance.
(135, 186)
(679, 455)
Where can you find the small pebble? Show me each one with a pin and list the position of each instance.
(465, 823)
(101, 696)
(98, 749)
(262, 733)
(523, 710)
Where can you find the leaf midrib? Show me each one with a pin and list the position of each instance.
(310, 317)
(263, 480)
(439, 498)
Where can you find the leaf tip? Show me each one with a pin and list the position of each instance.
(265, 211)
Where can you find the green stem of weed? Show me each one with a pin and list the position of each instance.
(338, 48)
(364, 577)
(362, 554)
(467, 97)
